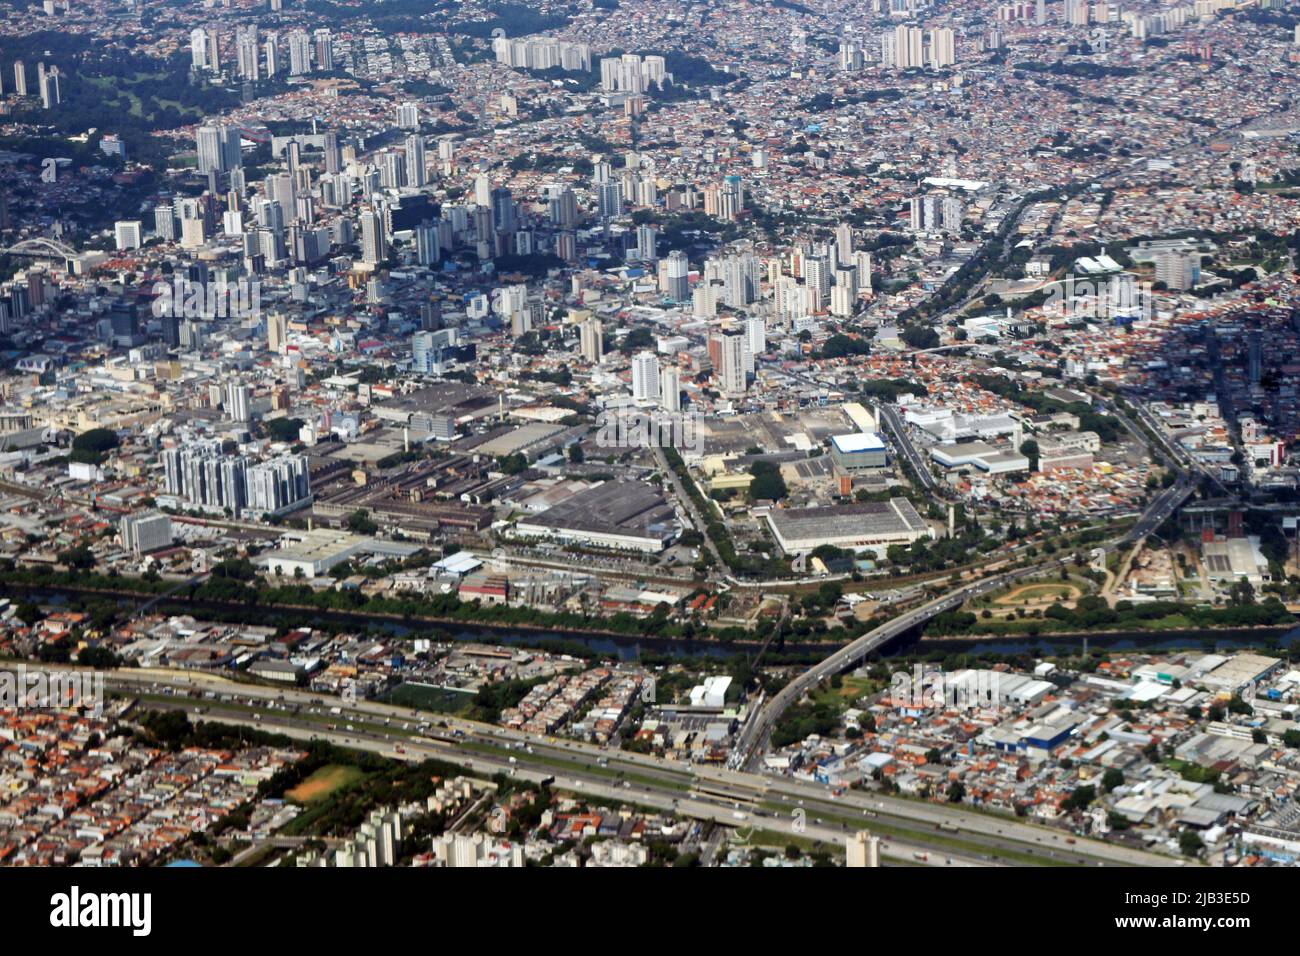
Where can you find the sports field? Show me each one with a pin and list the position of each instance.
(1029, 594)
(324, 782)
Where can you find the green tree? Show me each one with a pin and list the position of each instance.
(768, 483)
(98, 440)
(360, 522)
(512, 464)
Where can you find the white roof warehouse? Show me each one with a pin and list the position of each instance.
(870, 526)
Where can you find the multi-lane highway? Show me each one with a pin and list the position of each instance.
(1158, 511)
(753, 739)
(903, 442)
(755, 735)
(728, 797)
(748, 824)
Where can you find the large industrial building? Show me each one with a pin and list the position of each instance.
(859, 451)
(871, 526)
(1228, 561)
(310, 554)
(437, 411)
(147, 532)
(533, 440)
(980, 455)
(626, 515)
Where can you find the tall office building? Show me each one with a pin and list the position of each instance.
(674, 276)
(199, 49)
(128, 234)
(863, 850)
(862, 270)
(299, 52)
(1178, 270)
(428, 250)
(670, 389)
(218, 149)
(843, 243)
(238, 401)
(423, 348)
(482, 190)
(278, 485)
(1255, 356)
(200, 474)
(272, 49)
(214, 50)
(324, 43)
(247, 60)
(416, 174)
(142, 533)
(903, 48)
(817, 279)
(374, 243)
(756, 335)
(277, 331)
(49, 87)
(645, 377)
(563, 208)
(333, 154)
(164, 222)
(609, 199)
(408, 116)
(732, 380)
(647, 238)
(502, 204)
(20, 78)
(591, 341)
(943, 48)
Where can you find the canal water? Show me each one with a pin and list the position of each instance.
(638, 647)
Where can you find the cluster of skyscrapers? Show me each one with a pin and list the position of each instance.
(631, 73)
(935, 213)
(258, 56)
(203, 474)
(47, 83)
(542, 53)
(907, 48)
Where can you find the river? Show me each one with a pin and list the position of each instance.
(637, 647)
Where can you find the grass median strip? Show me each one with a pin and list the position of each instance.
(214, 709)
(931, 838)
(575, 766)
